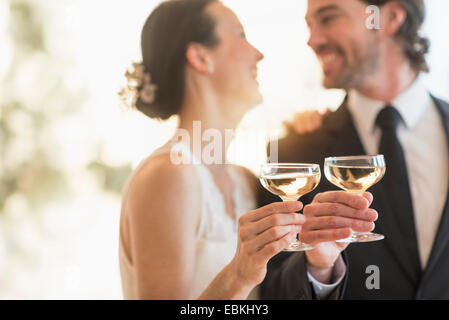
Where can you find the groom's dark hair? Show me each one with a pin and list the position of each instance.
(164, 40)
(415, 46)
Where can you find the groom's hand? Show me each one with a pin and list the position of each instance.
(307, 121)
(330, 217)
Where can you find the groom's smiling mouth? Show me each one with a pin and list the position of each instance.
(330, 58)
(330, 61)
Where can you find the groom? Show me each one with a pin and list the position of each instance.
(387, 111)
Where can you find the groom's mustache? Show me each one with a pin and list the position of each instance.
(328, 47)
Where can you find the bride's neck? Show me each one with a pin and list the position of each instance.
(205, 113)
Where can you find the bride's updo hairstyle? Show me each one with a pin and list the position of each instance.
(160, 78)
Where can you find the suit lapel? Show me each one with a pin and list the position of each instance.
(343, 141)
(342, 135)
(442, 237)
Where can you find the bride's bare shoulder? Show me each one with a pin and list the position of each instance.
(246, 174)
(163, 166)
(159, 179)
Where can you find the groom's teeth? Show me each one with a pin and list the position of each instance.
(329, 58)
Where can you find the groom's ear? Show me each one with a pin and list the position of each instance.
(197, 57)
(393, 15)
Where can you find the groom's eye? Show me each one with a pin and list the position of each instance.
(328, 19)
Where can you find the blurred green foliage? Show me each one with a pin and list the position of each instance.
(27, 27)
(112, 179)
(27, 155)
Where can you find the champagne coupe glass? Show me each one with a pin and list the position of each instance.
(355, 174)
(290, 181)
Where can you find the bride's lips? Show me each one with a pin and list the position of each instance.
(254, 73)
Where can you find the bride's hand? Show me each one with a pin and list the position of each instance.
(263, 233)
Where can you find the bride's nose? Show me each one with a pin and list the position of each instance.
(259, 55)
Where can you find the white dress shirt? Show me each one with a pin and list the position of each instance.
(424, 142)
(425, 146)
(322, 290)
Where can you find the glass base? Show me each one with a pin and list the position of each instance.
(298, 246)
(362, 237)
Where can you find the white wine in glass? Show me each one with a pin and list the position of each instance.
(290, 181)
(355, 175)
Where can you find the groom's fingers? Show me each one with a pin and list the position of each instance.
(337, 209)
(318, 236)
(306, 121)
(368, 196)
(335, 222)
(342, 197)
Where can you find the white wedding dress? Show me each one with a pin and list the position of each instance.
(216, 238)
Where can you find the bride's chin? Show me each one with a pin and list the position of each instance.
(258, 101)
(249, 100)
(254, 102)
(259, 98)
(255, 97)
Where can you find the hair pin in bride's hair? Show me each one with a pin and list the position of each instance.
(138, 86)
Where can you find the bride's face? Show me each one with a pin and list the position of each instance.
(234, 59)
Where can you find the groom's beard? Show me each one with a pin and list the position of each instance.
(353, 75)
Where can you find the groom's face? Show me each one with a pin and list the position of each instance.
(345, 47)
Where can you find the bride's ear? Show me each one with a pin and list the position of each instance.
(198, 58)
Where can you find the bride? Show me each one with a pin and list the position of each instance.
(190, 230)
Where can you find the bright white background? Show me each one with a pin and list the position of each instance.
(77, 255)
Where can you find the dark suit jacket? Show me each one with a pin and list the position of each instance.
(401, 276)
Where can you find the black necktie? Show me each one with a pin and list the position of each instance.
(396, 177)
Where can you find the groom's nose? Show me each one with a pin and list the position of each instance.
(316, 38)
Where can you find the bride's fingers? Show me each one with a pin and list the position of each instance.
(273, 248)
(270, 235)
(251, 230)
(273, 208)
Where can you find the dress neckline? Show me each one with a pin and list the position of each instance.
(210, 177)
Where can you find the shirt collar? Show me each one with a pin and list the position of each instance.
(410, 104)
